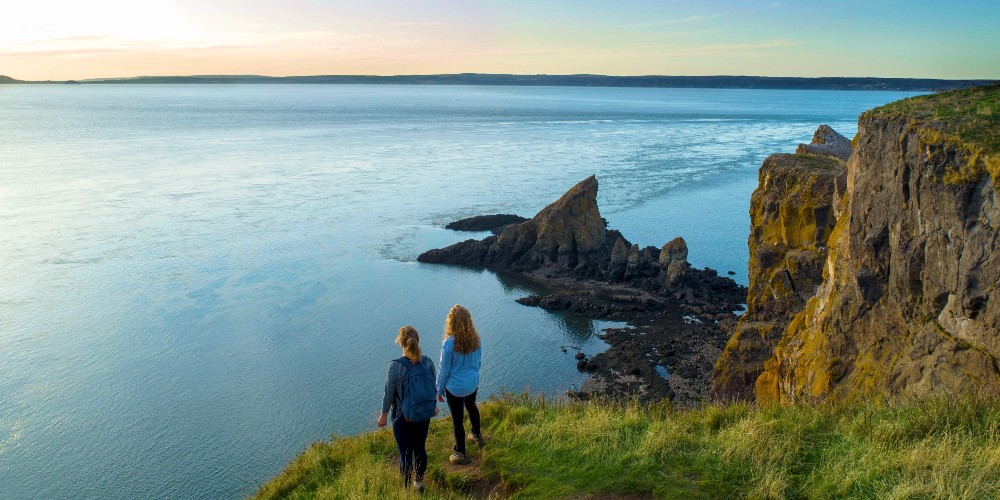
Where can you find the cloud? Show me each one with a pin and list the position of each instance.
(307, 41)
(83, 45)
(66, 39)
(746, 47)
(647, 50)
(674, 21)
(693, 19)
(419, 24)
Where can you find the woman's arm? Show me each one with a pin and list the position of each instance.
(430, 365)
(389, 397)
(446, 354)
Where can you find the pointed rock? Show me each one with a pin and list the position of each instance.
(568, 233)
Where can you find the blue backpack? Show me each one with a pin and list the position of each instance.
(419, 392)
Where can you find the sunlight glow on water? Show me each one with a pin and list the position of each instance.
(199, 281)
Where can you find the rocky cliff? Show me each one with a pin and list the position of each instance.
(793, 215)
(906, 305)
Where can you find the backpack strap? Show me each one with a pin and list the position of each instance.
(406, 363)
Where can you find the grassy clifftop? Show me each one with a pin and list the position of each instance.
(967, 120)
(538, 449)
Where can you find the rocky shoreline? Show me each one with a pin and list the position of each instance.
(667, 350)
(679, 318)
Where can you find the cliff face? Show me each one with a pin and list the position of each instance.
(907, 302)
(793, 215)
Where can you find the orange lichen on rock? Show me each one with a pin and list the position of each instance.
(907, 303)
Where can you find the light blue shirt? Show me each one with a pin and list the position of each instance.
(459, 373)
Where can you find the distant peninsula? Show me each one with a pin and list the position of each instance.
(581, 80)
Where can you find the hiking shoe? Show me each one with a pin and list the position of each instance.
(417, 485)
(478, 438)
(458, 458)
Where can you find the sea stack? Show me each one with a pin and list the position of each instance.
(567, 234)
(569, 239)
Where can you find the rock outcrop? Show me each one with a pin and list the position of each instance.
(495, 223)
(673, 260)
(678, 316)
(568, 234)
(907, 304)
(569, 238)
(793, 215)
(827, 142)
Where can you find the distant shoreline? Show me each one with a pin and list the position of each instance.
(706, 82)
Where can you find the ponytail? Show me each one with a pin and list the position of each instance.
(409, 340)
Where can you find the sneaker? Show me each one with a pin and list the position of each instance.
(458, 458)
(478, 438)
(417, 485)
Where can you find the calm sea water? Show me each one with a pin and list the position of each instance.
(198, 281)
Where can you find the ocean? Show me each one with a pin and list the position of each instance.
(197, 281)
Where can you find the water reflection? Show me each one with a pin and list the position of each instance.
(578, 329)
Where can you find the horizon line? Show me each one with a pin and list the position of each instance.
(410, 75)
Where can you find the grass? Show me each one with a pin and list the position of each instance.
(537, 448)
(967, 120)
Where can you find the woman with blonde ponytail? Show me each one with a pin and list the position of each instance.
(409, 394)
(461, 357)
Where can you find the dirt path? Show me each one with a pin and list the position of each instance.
(482, 486)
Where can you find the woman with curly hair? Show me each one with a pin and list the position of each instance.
(458, 381)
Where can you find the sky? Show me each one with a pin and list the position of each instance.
(74, 39)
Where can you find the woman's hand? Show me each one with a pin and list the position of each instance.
(436, 410)
(440, 398)
(382, 419)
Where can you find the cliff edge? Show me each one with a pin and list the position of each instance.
(793, 211)
(906, 304)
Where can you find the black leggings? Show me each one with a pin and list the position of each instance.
(411, 438)
(455, 405)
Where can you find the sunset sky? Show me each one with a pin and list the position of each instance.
(71, 39)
